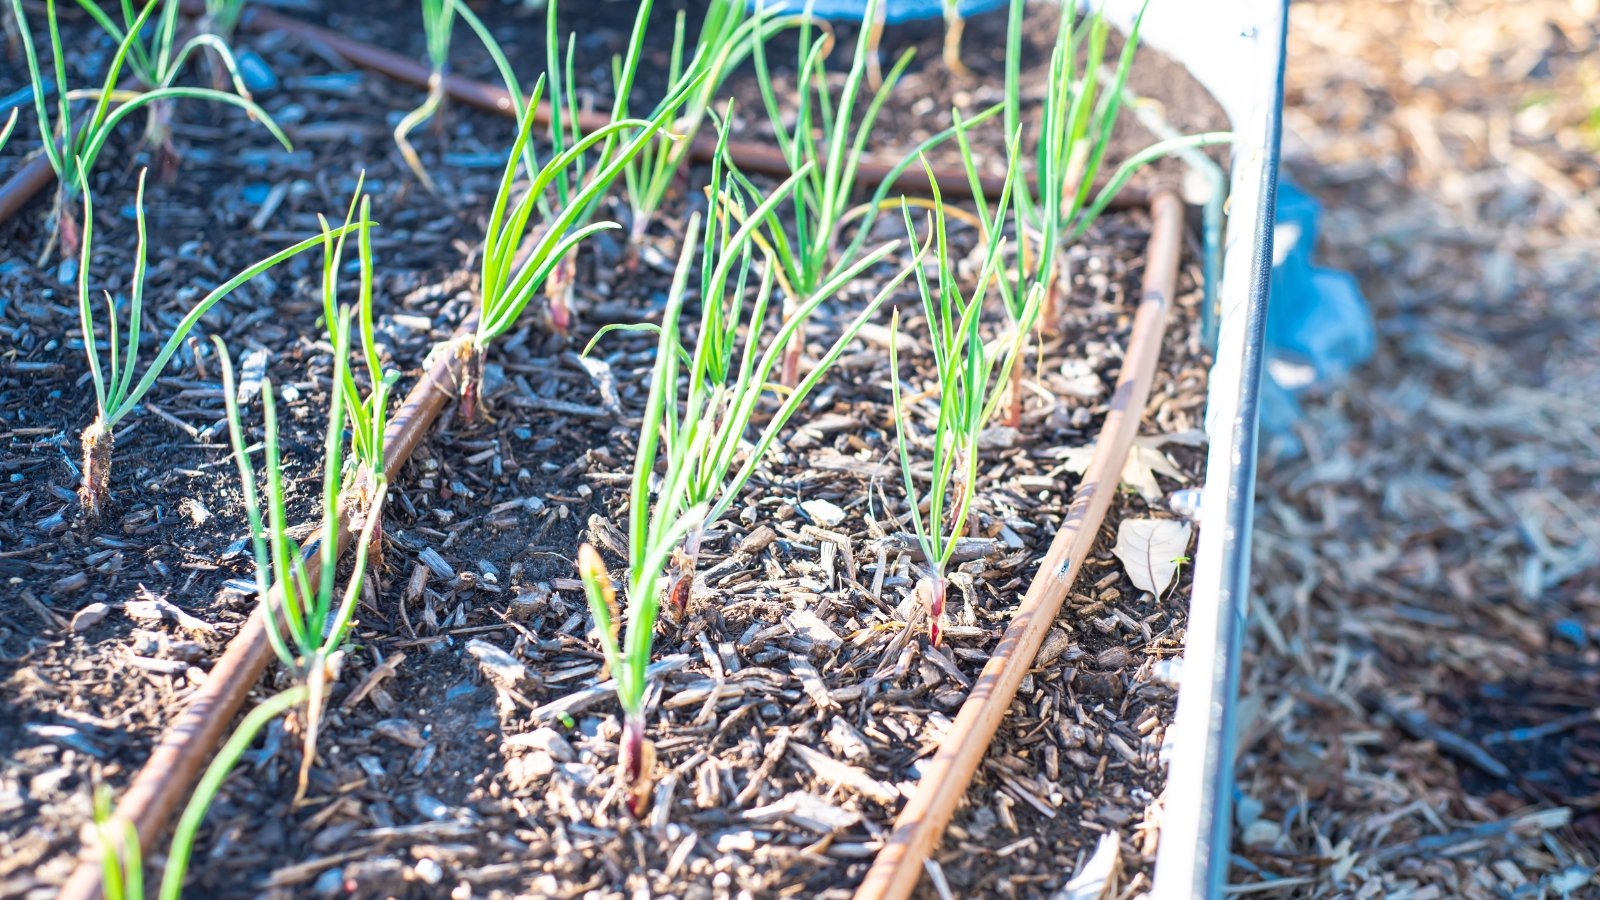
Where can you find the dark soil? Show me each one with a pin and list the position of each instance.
(430, 772)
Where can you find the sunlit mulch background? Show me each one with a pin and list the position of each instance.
(1423, 681)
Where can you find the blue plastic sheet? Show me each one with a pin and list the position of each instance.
(896, 10)
(1319, 327)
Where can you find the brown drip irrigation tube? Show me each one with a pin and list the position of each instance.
(747, 155)
(898, 866)
(176, 762)
(34, 176)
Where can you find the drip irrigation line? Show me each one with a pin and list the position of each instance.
(918, 828)
(25, 184)
(175, 764)
(750, 156)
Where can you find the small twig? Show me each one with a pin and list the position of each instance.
(181, 425)
(379, 672)
(564, 407)
(594, 693)
(1418, 725)
(1535, 732)
(1461, 841)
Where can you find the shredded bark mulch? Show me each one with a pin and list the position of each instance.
(1421, 692)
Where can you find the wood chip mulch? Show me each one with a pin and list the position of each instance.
(1419, 703)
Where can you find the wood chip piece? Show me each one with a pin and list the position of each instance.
(88, 617)
(829, 769)
(824, 512)
(586, 697)
(811, 682)
(810, 626)
(401, 731)
(500, 666)
(806, 810)
(1097, 877)
(379, 672)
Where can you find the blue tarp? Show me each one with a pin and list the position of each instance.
(897, 10)
(1319, 327)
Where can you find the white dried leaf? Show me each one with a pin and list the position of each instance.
(1145, 461)
(1150, 550)
(1098, 875)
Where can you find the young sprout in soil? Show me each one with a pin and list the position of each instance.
(116, 392)
(968, 370)
(1079, 112)
(700, 435)
(222, 17)
(517, 258)
(1016, 291)
(438, 19)
(565, 130)
(73, 146)
(6, 129)
(369, 415)
(954, 26)
(121, 866)
(305, 627)
(157, 63)
(826, 134)
(574, 195)
(575, 191)
(726, 37)
(194, 812)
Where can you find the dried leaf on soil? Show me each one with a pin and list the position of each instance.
(1150, 551)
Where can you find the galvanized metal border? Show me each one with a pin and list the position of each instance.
(1236, 49)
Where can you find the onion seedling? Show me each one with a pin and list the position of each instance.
(121, 865)
(967, 370)
(955, 25)
(1079, 112)
(565, 129)
(157, 64)
(700, 436)
(827, 135)
(575, 195)
(726, 37)
(368, 414)
(512, 272)
(726, 380)
(116, 392)
(570, 191)
(1016, 291)
(222, 17)
(194, 812)
(576, 189)
(305, 627)
(438, 20)
(72, 147)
